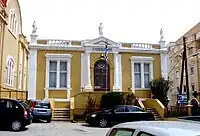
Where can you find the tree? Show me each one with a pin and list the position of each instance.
(159, 88)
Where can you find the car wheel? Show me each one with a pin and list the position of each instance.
(49, 121)
(103, 123)
(16, 125)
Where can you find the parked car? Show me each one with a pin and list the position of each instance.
(40, 109)
(118, 114)
(14, 114)
(155, 128)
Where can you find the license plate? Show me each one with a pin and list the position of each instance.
(42, 111)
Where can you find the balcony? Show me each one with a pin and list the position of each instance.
(141, 46)
(58, 42)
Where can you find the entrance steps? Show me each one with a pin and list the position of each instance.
(61, 114)
(155, 113)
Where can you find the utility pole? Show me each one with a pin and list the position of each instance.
(186, 70)
(184, 65)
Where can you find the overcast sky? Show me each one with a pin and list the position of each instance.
(123, 20)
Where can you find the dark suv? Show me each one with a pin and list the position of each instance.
(40, 110)
(14, 114)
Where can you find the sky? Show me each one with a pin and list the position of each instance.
(123, 20)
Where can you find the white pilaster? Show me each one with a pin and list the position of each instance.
(132, 76)
(151, 71)
(88, 86)
(32, 74)
(82, 70)
(116, 72)
(47, 81)
(142, 75)
(68, 78)
(163, 59)
(58, 74)
(120, 72)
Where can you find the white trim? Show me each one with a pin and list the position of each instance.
(120, 71)
(142, 60)
(82, 71)
(116, 86)
(88, 80)
(58, 58)
(61, 100)
(132, 77)
(80, 48)
(47, 81)
(142, 74)
(58, 74)
(32, 74)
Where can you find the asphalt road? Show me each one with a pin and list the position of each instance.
(58, 129)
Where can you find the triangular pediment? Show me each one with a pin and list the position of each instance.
(102, 41)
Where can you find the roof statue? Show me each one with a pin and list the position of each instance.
(161, 35)
(100, 29)
(34, 31)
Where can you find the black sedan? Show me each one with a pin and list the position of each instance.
(118, 114)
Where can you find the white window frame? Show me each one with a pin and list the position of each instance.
(142, 60)
(13, 22)
(59, 58)
(10, 71)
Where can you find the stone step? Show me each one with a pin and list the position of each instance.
(60, 119)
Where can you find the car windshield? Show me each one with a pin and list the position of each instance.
(24, 105)
(45, 105)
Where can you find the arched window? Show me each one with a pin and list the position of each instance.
(13, 23)
(10, 72)
(101, 76)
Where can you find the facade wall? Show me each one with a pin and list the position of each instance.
(14, 54)
(175, 52)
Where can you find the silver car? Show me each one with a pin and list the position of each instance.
(156, 128)
(41, 110)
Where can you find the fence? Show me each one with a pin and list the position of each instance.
(177, 111)
(14, 94)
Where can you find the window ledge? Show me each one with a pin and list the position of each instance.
(65, 89)
(10, 86)
(142, 89)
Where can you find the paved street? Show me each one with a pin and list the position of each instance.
(58, 129)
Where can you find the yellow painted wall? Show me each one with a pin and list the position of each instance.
(75, 72)
(58, 94)
(126, 71)
(94, 57)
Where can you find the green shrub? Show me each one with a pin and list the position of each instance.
(112, 99)
(92, 105)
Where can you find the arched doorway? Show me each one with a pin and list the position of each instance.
(101, 76)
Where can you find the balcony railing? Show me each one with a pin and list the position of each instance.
(58, 42)
(142, 45)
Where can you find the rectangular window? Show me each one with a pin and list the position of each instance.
(192, 70)
(58, 74)
(137, 74)
(193, 87)
(63, 74)
(146, 75)
(52, 74)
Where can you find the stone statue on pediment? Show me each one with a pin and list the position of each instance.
(161, 35)
(100, 29)
(34, 31)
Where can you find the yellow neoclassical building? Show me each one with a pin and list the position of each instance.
(14, 52)
(61, 69)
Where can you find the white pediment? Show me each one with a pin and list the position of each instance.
(101, 41)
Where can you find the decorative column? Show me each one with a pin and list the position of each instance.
(47, 81)
(32, 74)
(142, 75)
(68, 79)
(88, 86)
(116, 72)
(132, 76)
(151, 70)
